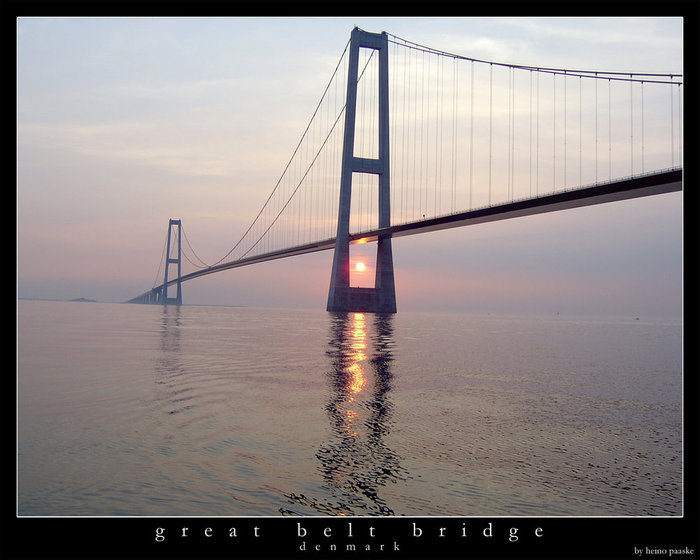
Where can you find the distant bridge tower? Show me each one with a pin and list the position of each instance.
(342, 297)
(173, 236)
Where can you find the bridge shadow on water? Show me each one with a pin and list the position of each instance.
(356, 464)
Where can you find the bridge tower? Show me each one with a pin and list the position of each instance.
(174, 235)
(342, 297)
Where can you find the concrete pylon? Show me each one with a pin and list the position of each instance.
(164, 299)
(381, 298)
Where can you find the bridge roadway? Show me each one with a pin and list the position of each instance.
(646, 185)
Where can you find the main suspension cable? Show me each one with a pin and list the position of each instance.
(612, 75)
(288, 164)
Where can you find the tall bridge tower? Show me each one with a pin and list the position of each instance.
(174, 235)
(382, 297)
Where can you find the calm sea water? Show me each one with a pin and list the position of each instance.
(142, 410)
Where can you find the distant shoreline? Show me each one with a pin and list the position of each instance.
(80, 300)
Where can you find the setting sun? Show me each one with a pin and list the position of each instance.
(360, 267)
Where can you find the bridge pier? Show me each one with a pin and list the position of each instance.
(342, 297)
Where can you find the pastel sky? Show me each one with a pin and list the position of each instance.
(124, 123)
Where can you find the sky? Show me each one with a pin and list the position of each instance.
(124, 123)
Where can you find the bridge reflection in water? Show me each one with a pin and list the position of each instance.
(357, 464)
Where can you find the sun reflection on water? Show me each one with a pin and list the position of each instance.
(356, 463)
(358, 379)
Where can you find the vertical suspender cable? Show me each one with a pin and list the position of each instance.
(455, 93)
(442, 127)
(554, 131)
(438, 203)
(490, 123)
(409, 96)
(641, 87)
(512, 149)
(609, 133)
(512, 156)
(322, 193)
(422, 122)
(301, 226)
(631, 127)
(530, 134)
(680, 128)
(309, 193)
(510, 134)
(425, 139)
(438, 131)
(673, 116)
(361, 181)
(596, 128)
(373, 136)
(392, 122)
(404, 135)
(565, 135)
(308, 188)
(471, 136)
(537, 158)
(580, 133)
(415, 141)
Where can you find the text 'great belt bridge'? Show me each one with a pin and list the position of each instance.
(408, 139)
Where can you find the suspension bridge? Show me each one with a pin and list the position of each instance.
(408, 139)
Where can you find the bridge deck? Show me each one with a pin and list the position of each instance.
(648, 185)
(655, 183)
